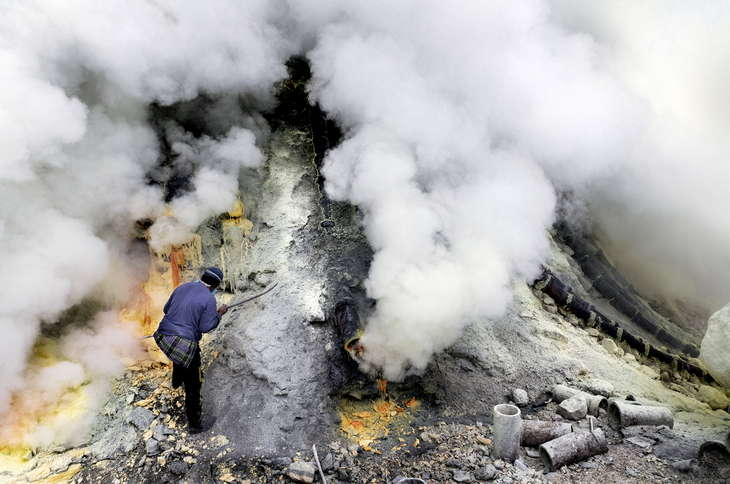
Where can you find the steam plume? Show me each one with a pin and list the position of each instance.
(461, 123)
(78, 152)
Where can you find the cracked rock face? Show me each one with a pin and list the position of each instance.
(271, 384)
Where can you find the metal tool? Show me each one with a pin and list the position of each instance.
(232, 305)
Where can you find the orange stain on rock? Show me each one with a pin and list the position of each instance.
(177, 264)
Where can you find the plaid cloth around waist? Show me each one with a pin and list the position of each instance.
(179, 350)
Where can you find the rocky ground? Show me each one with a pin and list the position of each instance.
(141, 435)
(451, 450)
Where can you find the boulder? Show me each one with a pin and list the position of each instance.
(600, 387)
(486, 473)
(609, 346)
(713, 397)
(714, 348)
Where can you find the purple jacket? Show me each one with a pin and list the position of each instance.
(190, 312)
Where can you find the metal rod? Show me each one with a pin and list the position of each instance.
(319, 466)
(232, 305)
(252, 298)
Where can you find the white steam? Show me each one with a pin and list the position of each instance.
(461, 121)
(77, 150)
(663, 214)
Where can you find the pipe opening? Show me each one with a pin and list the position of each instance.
(348, 323)
(546, 459)
(507, 409)
(614, 416)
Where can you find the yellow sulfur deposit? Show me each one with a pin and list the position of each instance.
(365, 421)
(15, 459)
(38, 421)
(236, 244)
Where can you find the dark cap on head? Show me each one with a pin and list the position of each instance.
(215, 273)
(212, 277)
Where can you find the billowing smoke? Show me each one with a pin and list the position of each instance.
(462, 124)
(79, 161)
(461, 121)
(662, 215)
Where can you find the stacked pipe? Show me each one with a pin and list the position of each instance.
(564, 296)
(622, 295)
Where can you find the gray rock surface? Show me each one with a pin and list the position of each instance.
(281, 462)
(328, 462)
(486, 473)
(519, 396)
(521, 466)
(119, 438)
(141, 418)
(178, 467)
(302, 471)
(152, 447)
(462, 476)
(278, 365)
(600, 387)
(642, 442)
(573, 408)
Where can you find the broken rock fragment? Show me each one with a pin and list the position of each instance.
(574, 408)
(486, 473)
(519, 396)
(152, 446)
(462, 476)
(302, 471)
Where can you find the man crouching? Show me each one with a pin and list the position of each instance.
(190, 312)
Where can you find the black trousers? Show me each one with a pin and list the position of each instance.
(192, 378)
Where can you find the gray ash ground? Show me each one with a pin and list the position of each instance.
(450, 450)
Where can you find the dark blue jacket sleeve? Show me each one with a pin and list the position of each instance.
(210, 319)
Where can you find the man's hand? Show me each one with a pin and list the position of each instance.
(223, 310)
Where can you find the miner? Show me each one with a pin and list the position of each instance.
(190, 312)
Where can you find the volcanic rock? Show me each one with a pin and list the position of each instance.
(519, 396)
(574, 408)
(713, 397)
(153, 448)
(486, 473)
(600, 387)
(302, 471)
(141, 418)
(462, 476)
(328, 462)
(274, 367)
(178, 467)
